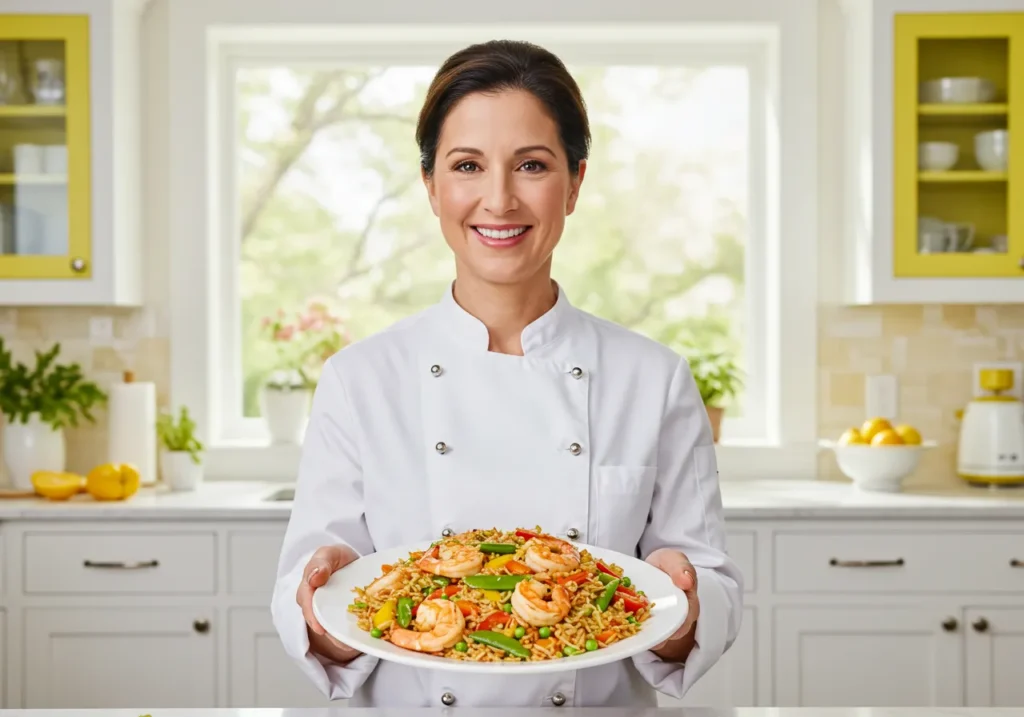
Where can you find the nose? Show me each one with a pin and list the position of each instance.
(500, 195)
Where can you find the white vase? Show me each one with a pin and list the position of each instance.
(285, 413)
(30, 447)
(179, 471)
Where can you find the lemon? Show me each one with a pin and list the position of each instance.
(910, 435)
(57, 486)
(873, 426)
(112, 481)
(887, 437)
(851, 436)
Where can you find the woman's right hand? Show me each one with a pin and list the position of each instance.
(324, 562)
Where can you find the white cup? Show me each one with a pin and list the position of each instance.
(992, 150)
(28, 159)
(937, 156)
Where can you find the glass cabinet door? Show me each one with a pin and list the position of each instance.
(44, 147)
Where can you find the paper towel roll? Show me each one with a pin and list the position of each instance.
(132, 430)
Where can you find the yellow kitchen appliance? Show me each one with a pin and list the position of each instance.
(991, 447)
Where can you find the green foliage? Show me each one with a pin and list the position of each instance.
(57, 392)
(180, 435)
(717, 376)
(302, 345)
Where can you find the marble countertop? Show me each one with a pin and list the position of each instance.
(743, 500)
(520, 712)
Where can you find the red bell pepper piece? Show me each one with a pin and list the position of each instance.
(514, 567)
(605, 569)
(526, 534)
(496, 619)
(631, 604)
(578, 578)
(467, 608)
(449, 591)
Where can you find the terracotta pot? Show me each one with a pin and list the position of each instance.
(715, 416)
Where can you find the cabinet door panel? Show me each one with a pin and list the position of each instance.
(995, 657)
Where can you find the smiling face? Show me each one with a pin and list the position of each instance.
(502, 187)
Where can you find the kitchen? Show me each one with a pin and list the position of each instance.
(880, 279)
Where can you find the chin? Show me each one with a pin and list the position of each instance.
(503, 271)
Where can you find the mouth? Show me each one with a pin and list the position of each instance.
(504, 235)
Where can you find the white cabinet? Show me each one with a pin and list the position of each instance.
(3, 653)
(261, 674)
(865, 656)
(994, 656)
(119, 657)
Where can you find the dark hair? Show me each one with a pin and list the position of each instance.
(505, 65)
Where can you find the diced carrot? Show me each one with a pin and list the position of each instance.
(449, 591)
(605, 637)
(387, 568)
(467, 608)
(514, 567)
(547, 643)
(578, 578)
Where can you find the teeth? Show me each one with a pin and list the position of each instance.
(503, 234)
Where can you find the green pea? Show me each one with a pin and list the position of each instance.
(626, 582)
(461, 647)
(507, 607)
(360, 605)
(442, 596)
(520, 631)
(569, 650)
(631, 619)
(376, 632)
(592, 645)
(544, 632)
(641, 593)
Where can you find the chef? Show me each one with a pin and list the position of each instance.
(502, 405)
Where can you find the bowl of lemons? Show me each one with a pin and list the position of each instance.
(878, 456)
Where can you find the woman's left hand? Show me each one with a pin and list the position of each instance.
(678, 567)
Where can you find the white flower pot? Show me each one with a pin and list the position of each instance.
(179, 471)
(286, 412)
(30, 447)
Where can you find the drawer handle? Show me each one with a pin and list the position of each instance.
(1015, 563)
(121, 565)
(865, 563)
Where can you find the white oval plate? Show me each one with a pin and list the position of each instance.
(330, 606)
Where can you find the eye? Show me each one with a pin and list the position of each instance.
(533, 165)
(466, 166)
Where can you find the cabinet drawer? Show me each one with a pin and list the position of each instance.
(252, 561)
(742, 547)
(120, 563)
(912, 562)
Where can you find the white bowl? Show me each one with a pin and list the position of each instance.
(937, 156)
(877, 468)
(957, 90)
(992, 150)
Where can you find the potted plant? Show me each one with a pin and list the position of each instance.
(37, 405)
(302, 346)
(718, 380)
(180, 463)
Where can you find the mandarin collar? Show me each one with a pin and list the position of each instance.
(547, 328)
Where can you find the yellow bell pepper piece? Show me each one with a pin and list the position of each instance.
(492, 595)
(385, 615)
(498, 562)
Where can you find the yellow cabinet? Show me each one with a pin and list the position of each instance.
(69, 153)
(934, 94)
(959, 180)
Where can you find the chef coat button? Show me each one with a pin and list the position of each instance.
(576, 372)
(572, 534)
(447, 532)
(558, 699)
(575, 449)
(447, 699)
(435, 370)
(441, 447)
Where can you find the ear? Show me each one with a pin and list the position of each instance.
(428, 182)
(574, 190)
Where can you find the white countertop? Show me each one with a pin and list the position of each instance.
(520, 712)
(747, 500)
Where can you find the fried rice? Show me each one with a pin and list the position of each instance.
(605, 607)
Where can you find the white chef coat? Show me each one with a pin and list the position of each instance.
(596, 433)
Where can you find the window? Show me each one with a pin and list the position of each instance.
(676, 233)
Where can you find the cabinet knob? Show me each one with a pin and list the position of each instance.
(980, 625)
(949, 624)
(78, 264)
(1021, 262)
(201, 626)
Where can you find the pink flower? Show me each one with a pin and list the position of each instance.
(284, 333)
(266, 322)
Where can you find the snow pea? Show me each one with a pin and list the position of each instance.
(605, 578)
(500, 641)
(606, 597)
(404, 611)
(501, 583)
(498, 548)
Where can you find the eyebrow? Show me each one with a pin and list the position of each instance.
(521, 150)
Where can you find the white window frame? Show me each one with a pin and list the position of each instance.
(783, 175)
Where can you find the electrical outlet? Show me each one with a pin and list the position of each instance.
(881, 396)
(101, 330)
(1018, 377)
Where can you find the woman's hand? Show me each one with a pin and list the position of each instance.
(320, 567)
(678, 567)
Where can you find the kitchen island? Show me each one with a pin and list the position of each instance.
(565, 712)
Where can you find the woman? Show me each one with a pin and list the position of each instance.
(504, 406)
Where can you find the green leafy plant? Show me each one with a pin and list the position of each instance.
(717, 375)
(179, 435)
(58, 393)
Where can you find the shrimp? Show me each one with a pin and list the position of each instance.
(452, 561)
(388, 581)
(547, 554)
(439, 625)
(538, 605)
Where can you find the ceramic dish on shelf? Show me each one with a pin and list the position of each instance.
(345, 613)
(957, 90)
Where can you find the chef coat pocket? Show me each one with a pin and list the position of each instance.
(623, 503)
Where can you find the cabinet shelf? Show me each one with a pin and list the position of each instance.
(35, 179)
(963, 110)
(30, 111)
(964, 175)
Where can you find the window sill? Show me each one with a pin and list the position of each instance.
(737, 460)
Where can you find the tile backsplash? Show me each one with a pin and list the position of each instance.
(930, 349)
